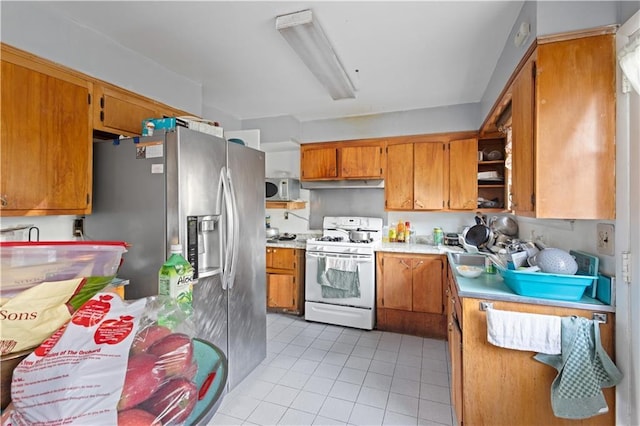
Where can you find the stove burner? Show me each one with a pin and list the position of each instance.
(332, 239)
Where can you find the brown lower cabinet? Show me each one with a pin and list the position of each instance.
(496, 386)
(409, 293)
(285, 280)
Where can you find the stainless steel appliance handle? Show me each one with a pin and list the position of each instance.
(228, 229)
(235, 232)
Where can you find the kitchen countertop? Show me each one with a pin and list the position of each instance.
(299, 243)
(417, 248)
(493, 287)
(486, 286)
(296, 244)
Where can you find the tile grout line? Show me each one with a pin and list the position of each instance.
(289, 332)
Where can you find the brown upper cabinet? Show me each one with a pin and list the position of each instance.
(463, 174)
(121, 112)
(563, 127)
(49, 113)
(358, 159)
(415, 175)
(46, 151)
(431, 172)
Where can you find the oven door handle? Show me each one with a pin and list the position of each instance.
(357, 258)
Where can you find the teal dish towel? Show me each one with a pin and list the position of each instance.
(338, 278)
(584, 368)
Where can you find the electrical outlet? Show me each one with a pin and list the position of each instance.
(606, 239)
(286, 215)
(78, 227)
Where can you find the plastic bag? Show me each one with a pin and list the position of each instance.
(35, 314)
(43, 283)
(112, 363)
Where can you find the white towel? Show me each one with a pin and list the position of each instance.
(342, 264)
(525, 332)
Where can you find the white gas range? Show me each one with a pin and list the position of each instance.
(340, 273)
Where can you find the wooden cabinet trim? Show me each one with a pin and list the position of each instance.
(572, 35)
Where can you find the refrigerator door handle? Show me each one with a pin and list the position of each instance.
(235, 232)
(228, 246)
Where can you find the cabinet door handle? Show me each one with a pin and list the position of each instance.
(418, 264)
(418, 203)
(404, 263)
(3, 201)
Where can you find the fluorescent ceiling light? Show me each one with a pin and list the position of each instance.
(311, 44)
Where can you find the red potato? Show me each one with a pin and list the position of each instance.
(142, 379)
(174, 352)
(174, 401)
(137, 417)
(147, 337)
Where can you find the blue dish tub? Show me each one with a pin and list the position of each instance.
(546, 286)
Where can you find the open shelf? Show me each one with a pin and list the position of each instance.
(288, 205)
(492, 190)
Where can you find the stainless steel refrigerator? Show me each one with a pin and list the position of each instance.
(193, 188)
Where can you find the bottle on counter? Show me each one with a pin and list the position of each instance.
(400, 236)
(407, 232)
(392, 234)
(175, 279)
(489, 268)
(438, 236)
(385, 234)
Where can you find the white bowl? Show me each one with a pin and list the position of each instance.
(469, 271)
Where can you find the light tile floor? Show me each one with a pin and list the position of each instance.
(318, 374)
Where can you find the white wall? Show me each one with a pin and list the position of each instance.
(421, 121)
(287, 164)
(36, 28)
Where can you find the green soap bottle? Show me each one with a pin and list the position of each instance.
(175, 279)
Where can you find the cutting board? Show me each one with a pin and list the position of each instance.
(587, 265)
(606, 289)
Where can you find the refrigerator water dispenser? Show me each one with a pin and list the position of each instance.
(204, 245)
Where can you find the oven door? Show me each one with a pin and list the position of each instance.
(366, 276)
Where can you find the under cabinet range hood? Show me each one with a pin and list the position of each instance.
(342, 184)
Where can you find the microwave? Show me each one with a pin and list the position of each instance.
(282, 189)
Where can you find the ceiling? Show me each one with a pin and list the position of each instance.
(409, 55)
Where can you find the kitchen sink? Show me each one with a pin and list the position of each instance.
(468, 259)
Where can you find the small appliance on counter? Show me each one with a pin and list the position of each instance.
(451, 239)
